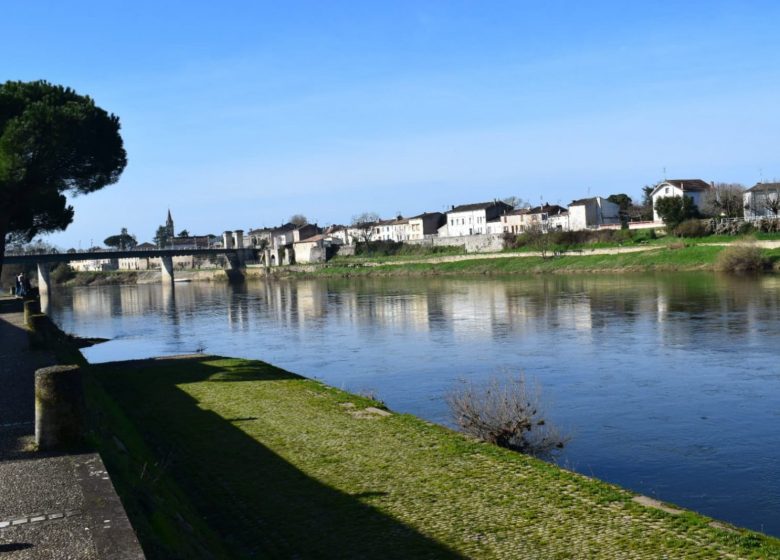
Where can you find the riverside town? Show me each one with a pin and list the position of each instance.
(390, 280)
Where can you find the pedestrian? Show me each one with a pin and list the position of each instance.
(18, 285)
(21, 288)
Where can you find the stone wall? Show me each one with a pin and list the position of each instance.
(472, 243)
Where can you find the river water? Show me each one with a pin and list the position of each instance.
(668, 384)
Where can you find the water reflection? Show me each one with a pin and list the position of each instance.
(670, 383)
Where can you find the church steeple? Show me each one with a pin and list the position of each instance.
(169, 224)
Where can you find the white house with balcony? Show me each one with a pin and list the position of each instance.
(472, 219)
(692, 188)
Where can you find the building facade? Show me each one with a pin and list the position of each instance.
(692, 188)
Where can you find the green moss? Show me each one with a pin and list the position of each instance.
(236, 458)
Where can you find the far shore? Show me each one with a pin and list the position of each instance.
(672, 256)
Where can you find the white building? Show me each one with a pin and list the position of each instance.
(539, 217)
(472, 219)
(760, 200)
(590, 213)
(94, 265)
(692, 188)
(391, 230)
(425, 225)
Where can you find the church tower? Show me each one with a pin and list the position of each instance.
(169, 224)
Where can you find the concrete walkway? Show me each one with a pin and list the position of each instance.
(51, 505)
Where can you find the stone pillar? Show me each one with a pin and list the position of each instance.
(167, 269)
(59, 407)
(227, 240)
(238, 239)
(44, 282)
(31, 309)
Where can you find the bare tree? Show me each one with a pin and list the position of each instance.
(298, 220)
(515, 202)
(506, 412)
(724, 200)
(771, 202)
(364, 222)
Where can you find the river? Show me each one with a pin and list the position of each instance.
(668, 384)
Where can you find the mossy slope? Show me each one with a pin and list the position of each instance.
(234, 458)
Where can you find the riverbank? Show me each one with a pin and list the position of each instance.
(226, 457)
(673, 257)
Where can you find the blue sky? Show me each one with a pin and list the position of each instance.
(242, 114)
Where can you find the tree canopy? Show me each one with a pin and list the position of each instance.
(162, 237)
(53, 141)
(299, 220)
(122, 241)
(674, 210)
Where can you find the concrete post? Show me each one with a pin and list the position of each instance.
(59, 407)
(227, 240)
(167, 269)
(44, 282)
(30, 308)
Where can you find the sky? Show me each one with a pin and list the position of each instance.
(237, 115)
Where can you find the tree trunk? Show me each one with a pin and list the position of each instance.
(2, 247)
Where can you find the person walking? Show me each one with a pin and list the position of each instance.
(21, 285)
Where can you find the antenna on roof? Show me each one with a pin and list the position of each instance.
(664, 168)
(760, 175)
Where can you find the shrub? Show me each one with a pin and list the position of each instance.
(506, 412)
(691, 228)
(390, 248)
(741, 258)
(62, 273)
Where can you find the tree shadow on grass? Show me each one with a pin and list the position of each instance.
(256, 503)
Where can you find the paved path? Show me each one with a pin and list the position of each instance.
(479, 256)
(51, 505)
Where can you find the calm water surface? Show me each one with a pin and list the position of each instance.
(669, 385)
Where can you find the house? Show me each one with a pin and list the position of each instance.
(762, 201)
(472, 219)
(361, 232)
(538, 217)
(391, 230)
(258, 238)
(692, 188)
(339, 234)
(425, 224)
(282, 236)
(590, 213)
(94, 265)
(138, 263)
(304, 232)
(313, 249)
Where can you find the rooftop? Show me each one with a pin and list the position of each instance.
(479, 206)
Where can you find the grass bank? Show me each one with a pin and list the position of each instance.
(669, 257)
(218, 457)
